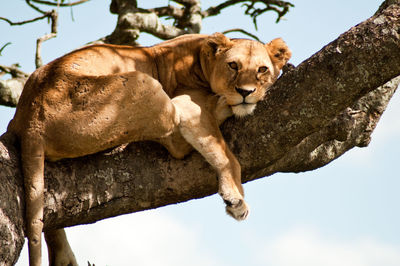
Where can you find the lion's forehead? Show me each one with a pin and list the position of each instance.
(249, 53)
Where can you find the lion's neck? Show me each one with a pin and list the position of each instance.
(178, 64)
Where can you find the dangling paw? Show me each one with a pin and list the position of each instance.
(237, 208)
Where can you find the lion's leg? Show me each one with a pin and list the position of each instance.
(60, 252)
(176, 145)
(201, 130)
(32, 156)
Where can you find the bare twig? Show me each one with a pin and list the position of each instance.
(60, 4)
(45, 15)
(53, 15)
(244, 32)
(280, 7)
(4, 46)
(34, 7)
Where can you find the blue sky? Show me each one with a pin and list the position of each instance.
(345, 213)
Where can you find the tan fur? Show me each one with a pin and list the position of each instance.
(177, 93)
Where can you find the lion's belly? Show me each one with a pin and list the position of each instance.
(103, 112)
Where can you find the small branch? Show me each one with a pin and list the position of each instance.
(4, 46)
(38, 56)
(53, 15)
(255, 12)
(11, 89)
(28, 2)
(13, 70)
(244, 32)
(25, 21)
(60, 4)
(280, 7)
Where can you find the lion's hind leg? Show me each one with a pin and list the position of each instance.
(32, 156)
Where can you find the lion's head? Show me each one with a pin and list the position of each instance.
(240, 70)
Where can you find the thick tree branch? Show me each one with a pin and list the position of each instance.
(352, 128)
(11, 89)
(168, 11)
(328, 102)
(133, 20)
(303, 102)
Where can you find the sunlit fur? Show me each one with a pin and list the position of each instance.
(176, 93)
(247, 66)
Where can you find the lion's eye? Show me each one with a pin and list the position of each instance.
(233, 65)
(262, 69)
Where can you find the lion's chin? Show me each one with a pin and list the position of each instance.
(242, 110)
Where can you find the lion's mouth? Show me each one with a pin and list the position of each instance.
(242, 103)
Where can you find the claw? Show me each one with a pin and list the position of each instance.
(239, 211)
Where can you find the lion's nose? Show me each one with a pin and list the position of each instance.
(244, 92)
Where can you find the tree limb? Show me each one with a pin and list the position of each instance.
(11, 89)
(303, 102)
(133, 20)
(330, 102)
(168, 11)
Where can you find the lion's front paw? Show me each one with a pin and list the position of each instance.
(237, 208)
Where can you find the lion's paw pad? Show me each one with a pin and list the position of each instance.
(238, 209)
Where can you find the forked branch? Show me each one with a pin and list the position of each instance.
(280, 7)
(186, 19)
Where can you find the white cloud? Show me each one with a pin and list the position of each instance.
(145, 239)
(307, 247)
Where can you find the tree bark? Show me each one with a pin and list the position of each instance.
(314, 113)
(11, 89)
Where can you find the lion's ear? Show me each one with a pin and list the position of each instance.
(279, 52)
(218, 43)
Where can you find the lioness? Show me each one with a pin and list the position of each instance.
(177, 93)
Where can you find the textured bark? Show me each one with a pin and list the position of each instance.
(11, 89)
(328, 104)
